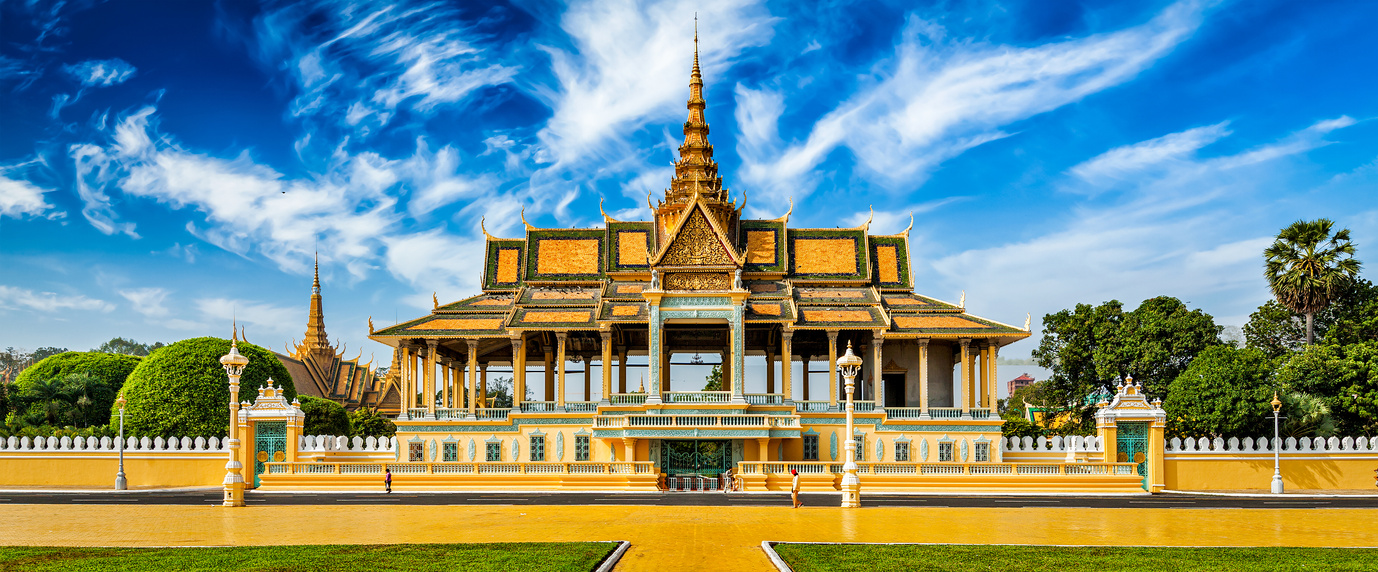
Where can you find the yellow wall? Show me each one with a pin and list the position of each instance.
(74, 469)
(1256, 472)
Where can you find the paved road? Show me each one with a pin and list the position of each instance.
(203, 497)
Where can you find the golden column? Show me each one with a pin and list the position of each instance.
(430, 377)
(983, 384)
(629, 446)
(923, 379)
(549, 373)
(518, 371)
(877, 368)
(966, 378)
(483, 385)
(622, 369)
(787, 363)
(473, 378)
(991, 355)
(605, 337)
(560, 379)
(832, 369)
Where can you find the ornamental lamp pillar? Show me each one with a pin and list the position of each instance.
(849, 366)
(234, 364)
(120, 482)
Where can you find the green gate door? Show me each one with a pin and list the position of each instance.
(270, 444)
(1131, 445)
(706, 458)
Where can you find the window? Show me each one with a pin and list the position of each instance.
(538, 447)
(494, 452)
(901, 452)
(982, 452)
(810, 447)
(581, 448)
(944, 451)
(416, 452)
(860, 447)
(451, 452)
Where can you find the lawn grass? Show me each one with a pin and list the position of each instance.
(580, 556)
(971, 558)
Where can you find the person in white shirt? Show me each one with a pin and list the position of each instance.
(794, 489)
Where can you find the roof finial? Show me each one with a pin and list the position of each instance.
(316, 281)
(696, 42)
(234, 331)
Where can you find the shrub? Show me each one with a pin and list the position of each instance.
(323, 417)
(365, 422)
(181, 390)
(109, 370)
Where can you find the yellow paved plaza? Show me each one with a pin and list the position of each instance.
(679, 537)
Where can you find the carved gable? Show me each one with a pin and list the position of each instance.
(696, 244)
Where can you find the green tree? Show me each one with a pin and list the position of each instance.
(1351, 317)
(1091, 348)
(1307, 266)
(713, 381)
(128, 347)
(323, 416)
(1223, 393)
(1275, 330)
(88, 395)
(366, 422)
(109, 369)
(43, 353)
(47, 399)
(1345, 376)
(181, 390)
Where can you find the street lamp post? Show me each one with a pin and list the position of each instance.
(234, 478)
(120, 482)
(1277, 447)
(849, 366)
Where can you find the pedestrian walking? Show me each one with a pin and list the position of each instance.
(727, 480)
(794, 489)
(387, 479)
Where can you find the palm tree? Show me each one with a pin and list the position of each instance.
(1307, 266)
(51, 394)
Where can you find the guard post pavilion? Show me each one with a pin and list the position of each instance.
(774, 302)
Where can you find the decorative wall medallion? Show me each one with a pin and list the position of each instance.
(516, 450)
(430, 450)
(880, 450)
(832, 446)
(923, 450)
(698, 281)
(471, 450)
(560, 447)
(964, 450)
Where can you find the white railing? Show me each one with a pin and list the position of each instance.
(1091, 444)
(697, 397)
(628, 399)
(765, 398)
(812, 406)
(111, 444)
(903, 412)
(863, 406)
(416, 412)
(309, 443)
(980, 413)
(945, 412)
(581, 406)
(653, 421)
(492, 413)
(1264, 445)
(538, 406)
(452, 413)
(500, 468)
(973, 469)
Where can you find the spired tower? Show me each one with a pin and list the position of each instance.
(319, 368)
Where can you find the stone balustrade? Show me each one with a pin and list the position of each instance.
(694, 421)
(498, 468)
(111, 445)
(628, 399)
(697, 397)
(765, 398)
(812, 406)
(313, 443)
(1219, 445)
(972, 469)
(1090, 444)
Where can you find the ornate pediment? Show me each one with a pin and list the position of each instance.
(698, 281)
(697, 244)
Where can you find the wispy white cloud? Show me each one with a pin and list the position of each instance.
(937, 98)
(19, 197)
(13, 297)
(100, 73)
(1182, 225)
(260, 317)
(147, 301)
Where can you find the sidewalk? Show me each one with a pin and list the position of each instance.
(679, 537)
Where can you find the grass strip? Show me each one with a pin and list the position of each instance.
(553, 556)
(976, 558)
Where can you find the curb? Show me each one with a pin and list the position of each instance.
(768, 547)
(612, 559)
(1269, 495)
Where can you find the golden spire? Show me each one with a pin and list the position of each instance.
(315, 322)
(696, 170)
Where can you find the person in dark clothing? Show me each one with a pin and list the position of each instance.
(387, 479)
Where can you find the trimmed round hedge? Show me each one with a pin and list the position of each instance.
(323, 417)
(112, 369)
(181, 390)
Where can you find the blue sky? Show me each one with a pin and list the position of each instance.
(164, 165)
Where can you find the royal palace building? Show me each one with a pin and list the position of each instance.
(637, 300)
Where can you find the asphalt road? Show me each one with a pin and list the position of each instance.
(212, 497)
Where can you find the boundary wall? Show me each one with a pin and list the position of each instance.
(1307, 464)
(93, 462)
